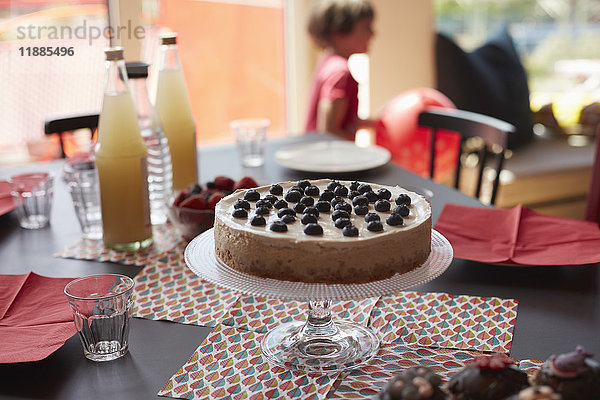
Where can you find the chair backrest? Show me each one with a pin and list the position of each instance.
(68, 124)
(492, 131)
(592, 211)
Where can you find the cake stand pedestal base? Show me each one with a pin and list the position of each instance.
(320, 344)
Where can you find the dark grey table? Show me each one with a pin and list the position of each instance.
(559, 307)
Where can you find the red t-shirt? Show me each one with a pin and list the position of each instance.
(332, 80)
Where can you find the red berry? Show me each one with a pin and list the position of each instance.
(195, 202)
(246, 182)
(214, 199)
(224, 182)
(180, 198)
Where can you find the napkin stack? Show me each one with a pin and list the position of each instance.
(518, 236)
(35, 317)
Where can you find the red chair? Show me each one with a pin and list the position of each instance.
(592, 212)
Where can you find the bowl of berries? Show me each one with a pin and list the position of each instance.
(192, 210)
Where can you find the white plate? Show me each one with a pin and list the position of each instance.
(201, 258)
(332, 156)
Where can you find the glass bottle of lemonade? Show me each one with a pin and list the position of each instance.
(174, 111)
(121, 162)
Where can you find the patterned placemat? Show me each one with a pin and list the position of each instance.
(165, 237)
(262, 315)
(446, 321)
(167, 290)
(367, 380)
(229, 365)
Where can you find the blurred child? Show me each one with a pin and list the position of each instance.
(341, 28)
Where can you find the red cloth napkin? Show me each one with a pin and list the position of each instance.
(6, 202)
(35, 317)
(518, 235)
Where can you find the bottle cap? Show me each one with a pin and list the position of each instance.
(168, 38)
(114, 53)
(137, 70)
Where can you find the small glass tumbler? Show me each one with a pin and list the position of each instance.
(102, 306)
(250, 135)
(32, 194)
(82, 177)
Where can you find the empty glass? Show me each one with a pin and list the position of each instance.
(32, 194)
(82, 177)
(102, 306)
(250, 135)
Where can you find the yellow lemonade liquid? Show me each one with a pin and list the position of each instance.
(122, 170)
(177, 121)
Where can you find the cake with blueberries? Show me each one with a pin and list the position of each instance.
(323, 231)
(490, 377)
(416, 383)
(574, 375)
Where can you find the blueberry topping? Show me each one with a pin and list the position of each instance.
(323, 206)
(278, 226)
(385, 194)
(340, 190)
(261, 210)
(251, 195)
(264, 203)
(240, 213)
(313, 229)
(372, 196)
(337, 200)
(403, 210)
(288, 218)
(312, 210)
(342, 222)
(307, 201)
(308, 219)
(361, 209)
(360, 200)
(327, 195)
(382, 205)
(239, 203)
(354, 185)
(350, 230)
(311, 190)
(298, 188)
(403, 199)
(280, 204)
(353, 194)
(258, 220)
(340, 214)
(332, 185)
(285, 211)
(394, 219)
(364, 188)
(375, 226)
(293, 196)
(299, 208)
(270, 198)
(372, 217)
(303, 184)
(276, 188)
(343, 206)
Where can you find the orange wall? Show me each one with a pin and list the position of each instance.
(232, 57)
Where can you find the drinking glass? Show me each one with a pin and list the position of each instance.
(250, 135)
(32, 194)
(102, 306)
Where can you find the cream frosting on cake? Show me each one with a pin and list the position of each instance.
(328, 257)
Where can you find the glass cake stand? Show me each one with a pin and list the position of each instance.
(320, 343)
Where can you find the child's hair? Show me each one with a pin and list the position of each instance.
(336, 16)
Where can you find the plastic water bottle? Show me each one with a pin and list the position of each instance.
(160, 170)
